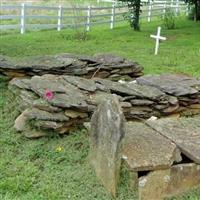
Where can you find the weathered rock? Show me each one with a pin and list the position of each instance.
(145, 149)
(75, 114)
(177, 85)
(65, 94)
(68, 64)
(80, 97)
(107, 131)
(161, 184)
(130, 89)
(85, 84)
(48, 125)
(184, 132)
(36, 114)
(20, 122)
(44, 105)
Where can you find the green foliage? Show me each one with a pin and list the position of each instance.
(169, 19)
(133, 16)
(80, 33)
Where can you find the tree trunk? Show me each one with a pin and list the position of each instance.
(197, 11)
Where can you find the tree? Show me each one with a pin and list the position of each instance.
(134, 13)
(196, 4)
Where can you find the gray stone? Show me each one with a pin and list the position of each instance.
(44, 105)
(184, 132)
(108, 59)
(107, 131)
(22, 83)
(36, 114)
(145, 149)
(160, 184)
(20, 122)
(131, 89)
(48, 125)
(139, 102)
(68, 64)
(81, 83)
(177, 85)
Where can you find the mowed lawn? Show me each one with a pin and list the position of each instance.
(57, 168)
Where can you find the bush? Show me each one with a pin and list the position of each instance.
(169, 19)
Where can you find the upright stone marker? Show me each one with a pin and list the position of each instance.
(107, 132)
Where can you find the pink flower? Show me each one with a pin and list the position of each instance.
(48, 95)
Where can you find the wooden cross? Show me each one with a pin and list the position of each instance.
(158, 38)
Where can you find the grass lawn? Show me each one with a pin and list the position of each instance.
(57, 168)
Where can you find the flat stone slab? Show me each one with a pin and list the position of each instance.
(184, 132)
(145, 149)
(174, 84)
(160, 184)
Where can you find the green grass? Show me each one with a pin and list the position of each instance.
(180, 53)
(34, 169)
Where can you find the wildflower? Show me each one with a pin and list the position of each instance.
(59, 149)
(48, 95)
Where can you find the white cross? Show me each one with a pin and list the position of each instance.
(158, 38)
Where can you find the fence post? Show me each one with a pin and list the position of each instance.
(149, 12)
(172, 3)
(23, 20)
(187, 9)
(88, 18)
(164, 10)
(112, 22)
(177, 6)
(59, 26)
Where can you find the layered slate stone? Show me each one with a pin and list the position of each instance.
(160, 184)
(107, 132)
(184, 132)
(185, 88)
(103, 66)
(145, 149)
(78, 97)
(177, 85)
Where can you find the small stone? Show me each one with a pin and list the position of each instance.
(20, 122)
(37, 114)
(75, 114)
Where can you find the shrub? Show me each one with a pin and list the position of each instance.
(169, 19)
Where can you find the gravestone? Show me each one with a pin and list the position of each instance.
(107, 132)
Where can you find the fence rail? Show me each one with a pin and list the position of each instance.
(22, 14)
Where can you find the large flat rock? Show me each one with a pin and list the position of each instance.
(145, 149)
(184, 132)
(177, 85)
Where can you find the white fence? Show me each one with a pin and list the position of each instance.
(86, 18)
(19, 15)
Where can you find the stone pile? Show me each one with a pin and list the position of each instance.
(59, 103)
(102, 66)
(185, 88)
(162, 156)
